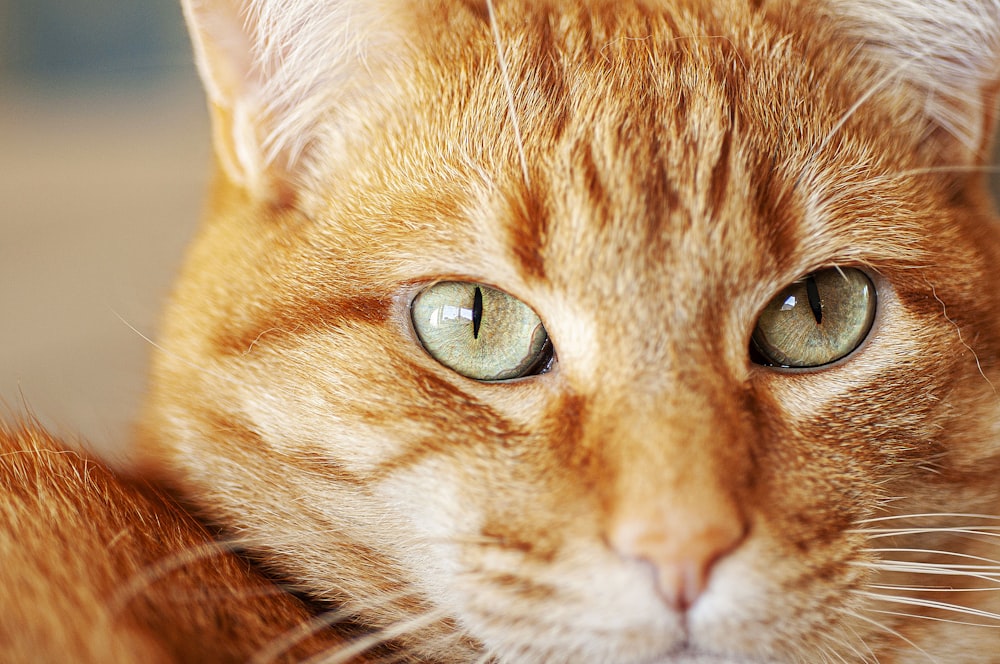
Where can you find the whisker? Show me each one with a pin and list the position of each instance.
(174, 356)
(953, 554)
(149, 575)
(930, 589)
(864, 643)
(984, 531)
(930, 604)
(828, 655)
(888, 630)
(901, 614)
(931, 569)
(509, 89)
(931, 515)
(292, 637)
(975, 356)
(849, 113)
(367, 642)
(958, 168)
(838, 643)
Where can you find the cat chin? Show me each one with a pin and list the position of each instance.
(701, 658)
(704, 659)
(663, 641)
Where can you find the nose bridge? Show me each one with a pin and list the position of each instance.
(682, 467)
(691, 433)
(683, 365)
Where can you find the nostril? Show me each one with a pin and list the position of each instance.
(681, 551)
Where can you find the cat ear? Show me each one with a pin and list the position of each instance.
(277, 72)
(947, 50)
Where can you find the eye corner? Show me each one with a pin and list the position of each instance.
(758, 358)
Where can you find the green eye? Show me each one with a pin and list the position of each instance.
(816, 320)
(480, 332)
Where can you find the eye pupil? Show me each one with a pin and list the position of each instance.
(815, 321)
(812, 291)
(477, 312)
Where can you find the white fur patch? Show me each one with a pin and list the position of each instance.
(281, 70)
(950, 49)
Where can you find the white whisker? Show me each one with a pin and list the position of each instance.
(993, 564)
(849, 113)
(149, 575)
(838, 643)
(829, 654)
(865, 644)
(365, 643)
(292, 637)
(931, 569)
(289, 639)
(931, 515)
(929, 604)
(961, 339)
(930, 589)
(960, 168)
(985, 531)
(174, 356)
(509, 89)
(888, 630)
(914, 616)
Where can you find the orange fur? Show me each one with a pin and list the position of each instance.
(645, 176)
(100, 569)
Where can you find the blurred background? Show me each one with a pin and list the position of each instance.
(104, 154)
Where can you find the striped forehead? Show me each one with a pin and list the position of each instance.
(627, 167)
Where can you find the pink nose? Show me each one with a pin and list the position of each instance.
(682, 548)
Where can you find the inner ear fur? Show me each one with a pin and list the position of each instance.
(946, 52)
(279, 76)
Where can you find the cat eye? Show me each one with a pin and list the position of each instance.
(480, 332)
(816, 320)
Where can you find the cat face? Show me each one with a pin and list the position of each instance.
(613, 333)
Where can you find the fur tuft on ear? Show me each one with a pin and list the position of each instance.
(277, 72)
(948, 50)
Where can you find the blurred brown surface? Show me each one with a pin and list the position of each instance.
(99, 193)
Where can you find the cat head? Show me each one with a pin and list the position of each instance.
(598, 331)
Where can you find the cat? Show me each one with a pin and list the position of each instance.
(627, 332)
(632, 332)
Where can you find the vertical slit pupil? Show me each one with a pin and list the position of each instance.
(477, 312)
(812, 291)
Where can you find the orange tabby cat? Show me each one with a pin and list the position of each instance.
(655, 331)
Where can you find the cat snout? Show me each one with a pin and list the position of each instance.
(682, 549)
